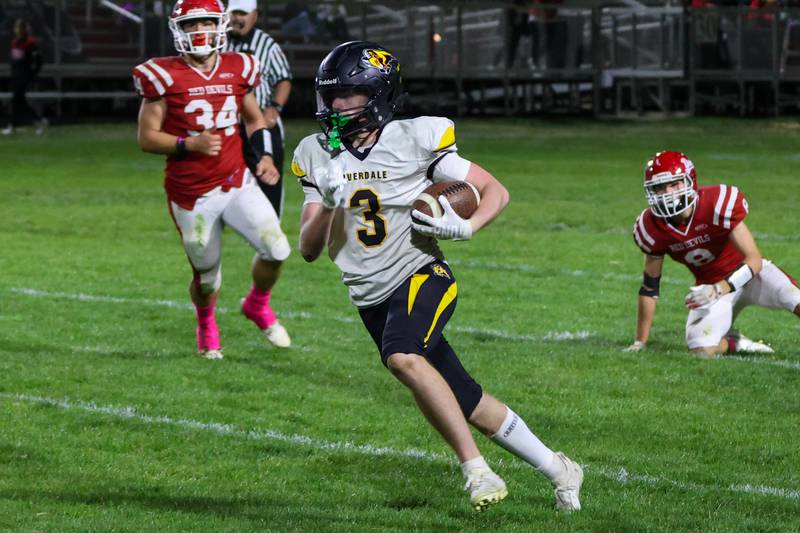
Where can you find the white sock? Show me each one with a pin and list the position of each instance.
(515, 437)
(479, 463)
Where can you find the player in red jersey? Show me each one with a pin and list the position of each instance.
(190, 112)
(704, 229)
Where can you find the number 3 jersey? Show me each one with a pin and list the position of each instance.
(198, 101)
(371, 239)
(703, 244)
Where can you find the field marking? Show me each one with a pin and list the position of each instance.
(575, 273)
(550, 336)
(620, 475)
(624, 477)
(764, 361)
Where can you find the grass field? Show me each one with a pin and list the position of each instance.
(108, 421)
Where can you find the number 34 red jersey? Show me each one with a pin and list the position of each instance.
(198, 101)
(703, 244)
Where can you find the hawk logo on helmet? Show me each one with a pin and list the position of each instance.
(379, 59)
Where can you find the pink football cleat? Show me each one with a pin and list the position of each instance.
(208, 345)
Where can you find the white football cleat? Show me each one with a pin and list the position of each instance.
(748, 345)
(8, 130)
(567, 487)
(485, 489)
(745, 345)
(210, 354)
(277, 335)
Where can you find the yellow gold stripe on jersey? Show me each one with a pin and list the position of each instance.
(299, 172)
(447, 299)
(416, 283)
(447, 140)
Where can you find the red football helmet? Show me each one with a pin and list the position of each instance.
(202, 42)
(665, 168)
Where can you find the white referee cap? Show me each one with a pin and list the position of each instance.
(248, 6)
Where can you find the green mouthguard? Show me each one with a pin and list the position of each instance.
(338, 121)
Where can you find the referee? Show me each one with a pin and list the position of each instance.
(275, 87)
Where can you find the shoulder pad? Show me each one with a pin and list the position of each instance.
(152, 78)
(730, 207)
(641, 235)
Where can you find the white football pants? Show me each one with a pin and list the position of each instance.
(244, 209)
(771, 288)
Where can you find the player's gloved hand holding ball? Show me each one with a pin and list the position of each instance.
(448, 226)
(331, 185)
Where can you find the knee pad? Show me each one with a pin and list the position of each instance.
(274, 245)
(196, 246)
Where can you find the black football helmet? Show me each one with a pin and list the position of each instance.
(352, 68)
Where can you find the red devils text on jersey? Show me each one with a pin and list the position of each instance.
(703, 244)
(198, 101)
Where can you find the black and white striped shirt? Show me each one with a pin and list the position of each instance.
(272, 61)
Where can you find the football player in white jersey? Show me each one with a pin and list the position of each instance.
(360, 178)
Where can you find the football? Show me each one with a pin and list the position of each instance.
(463, 197)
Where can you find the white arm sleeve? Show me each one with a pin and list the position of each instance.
(449, 167)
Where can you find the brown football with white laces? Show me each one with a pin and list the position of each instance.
(463, 197)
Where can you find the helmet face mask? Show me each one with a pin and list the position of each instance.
(202, 42)
(665, 169)
(357, 68)
(345, 123)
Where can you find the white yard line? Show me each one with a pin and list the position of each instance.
(511, 267)
(555, 336)
(623, 476)
(794, 365)
(550, 336)
(620, 475)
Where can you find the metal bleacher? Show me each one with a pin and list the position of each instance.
(620, 58)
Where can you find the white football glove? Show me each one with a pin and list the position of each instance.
(331, 184)
(701, 296)
(448, 226)
(637, 346)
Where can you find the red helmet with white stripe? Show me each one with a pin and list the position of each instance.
(665, 169)
(200, 42)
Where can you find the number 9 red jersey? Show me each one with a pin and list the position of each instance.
(198, 101)
(703, 244)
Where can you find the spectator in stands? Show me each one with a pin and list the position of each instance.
(711, 40)
(333, 22)
(763, 10)
(516, 18)
(272, 94)
(300, 21)
(555, 33)
(534, 30)
(26, 62)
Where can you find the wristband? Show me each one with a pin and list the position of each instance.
(740, 277)
(180, 146)
(650, 286)
(276, 105)
(261, 140)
